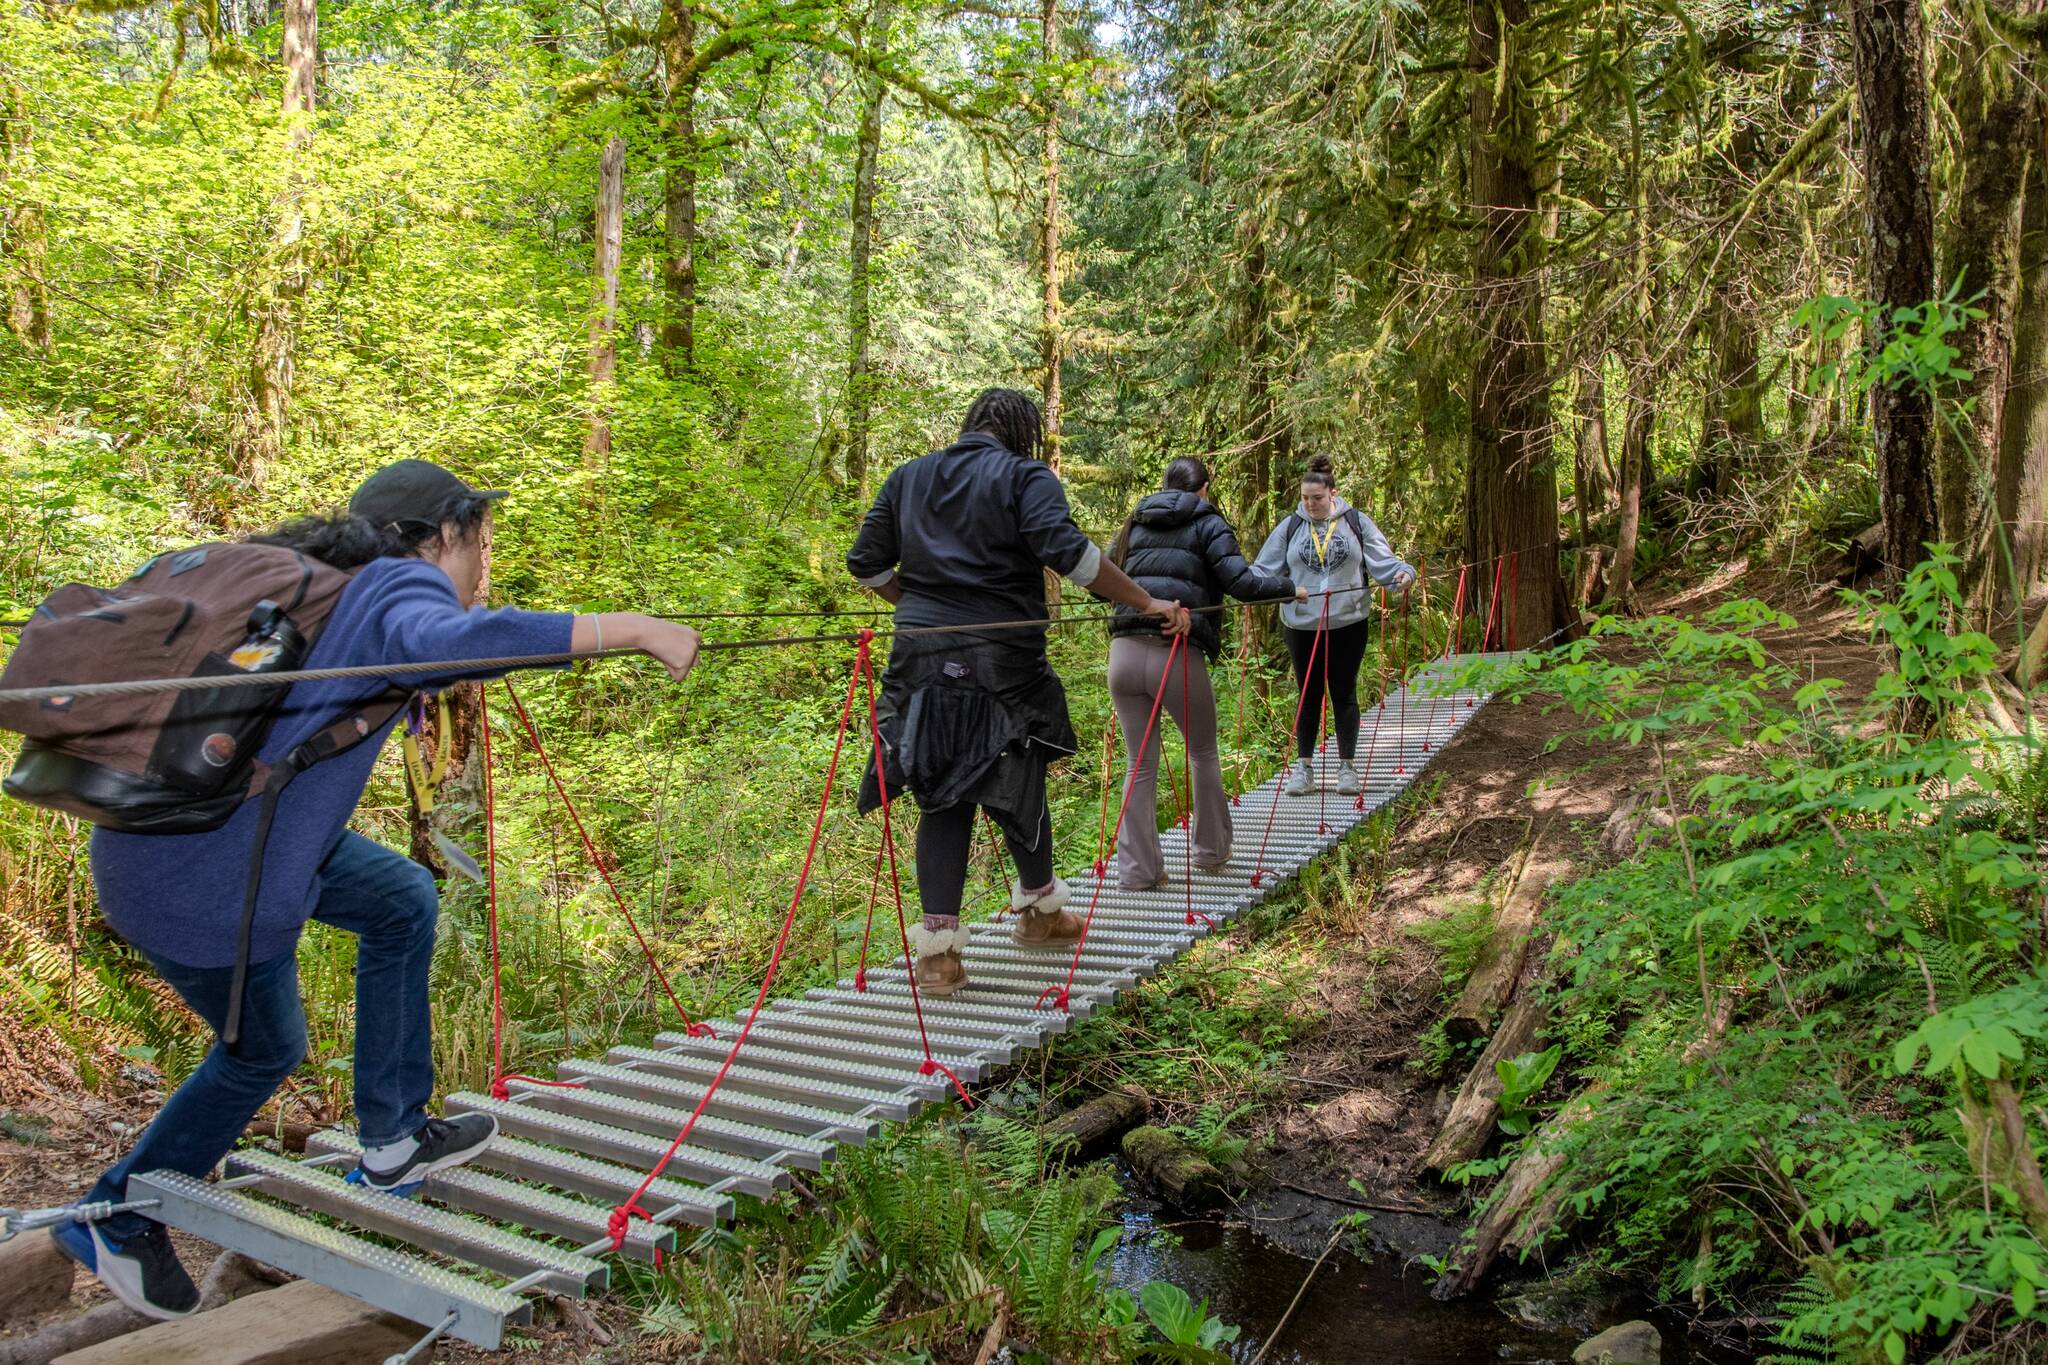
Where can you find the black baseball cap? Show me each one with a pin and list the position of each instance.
(417, 491)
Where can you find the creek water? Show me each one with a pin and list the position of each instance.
(1354, 1310)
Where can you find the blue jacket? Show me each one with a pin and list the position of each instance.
(180, 895)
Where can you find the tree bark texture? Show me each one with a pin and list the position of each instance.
(1890, 48)
(24, 235)
(608, 242)
(2020, 477)
(1637, 431)
(860, 383)
(1511, 484)
(1591, 462)
(1050, 342)
(282, 287)
(1998, 115)
(678, 42)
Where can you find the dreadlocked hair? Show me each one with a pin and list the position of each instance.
(345, 541)
(1011, 417)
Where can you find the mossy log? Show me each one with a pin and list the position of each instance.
(1093, 1125)
(1524, 1209)
(1183, 1176)
(1469, 1126)
(1498, 971)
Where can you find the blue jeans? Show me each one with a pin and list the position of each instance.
(390, 904)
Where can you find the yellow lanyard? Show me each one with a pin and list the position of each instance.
(1322, 543)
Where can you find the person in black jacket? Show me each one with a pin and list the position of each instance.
(1176, 546)
(970, 718)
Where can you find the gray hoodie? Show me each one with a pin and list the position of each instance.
(1339, 569)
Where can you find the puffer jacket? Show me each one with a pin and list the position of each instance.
(1180, 549)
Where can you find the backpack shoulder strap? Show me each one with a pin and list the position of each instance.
(1289, 529)
(269, 784)
(1355, 519)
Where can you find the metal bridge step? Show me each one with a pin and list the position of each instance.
(421, 1225)
(389, 1280)
(520, 1204)
(881, 1052)
(620, 1144)
(857, 1024)
(637, 1081)
(953, 1013)
(795, 1086)
(659, 1120)
(734, 1102)
(882, 1082)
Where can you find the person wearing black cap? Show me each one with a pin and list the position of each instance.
(414, 538)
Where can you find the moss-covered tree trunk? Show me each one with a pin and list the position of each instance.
(281, 287)
(608, 243)
(678, 129)
(2020, 477)
(1998, 117)
(1511, 480)
(24, 234)
(860, 381)
(1050, 342)
(1890, 47)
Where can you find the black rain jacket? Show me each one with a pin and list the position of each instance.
(1180, 549)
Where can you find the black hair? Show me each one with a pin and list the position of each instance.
(1320, 470)
(1011, 417)
(1187, 474)
(345, 541)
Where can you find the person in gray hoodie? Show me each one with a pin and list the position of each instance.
(1330, 548)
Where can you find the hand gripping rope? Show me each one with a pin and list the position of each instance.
(1062, 994)
(692, 1028)
(1316, 646)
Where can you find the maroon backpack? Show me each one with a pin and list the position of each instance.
(176, 762)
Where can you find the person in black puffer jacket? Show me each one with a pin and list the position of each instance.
(1177, 547)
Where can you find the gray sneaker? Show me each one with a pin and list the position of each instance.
(1347, 780)
(1301, 779)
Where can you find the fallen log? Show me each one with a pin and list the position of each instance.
(1525, 1209)
(301, 1324)
(1494, 977)
(1469, 1126)
(1095, 1123)
(1183, 1176)
(34, 1276)
(229, 1277)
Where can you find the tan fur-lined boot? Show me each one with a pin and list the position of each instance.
(939, 969)
(1040, 922)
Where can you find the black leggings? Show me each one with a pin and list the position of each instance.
(946, 837)
(1346, 646)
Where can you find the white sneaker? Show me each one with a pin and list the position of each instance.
(1347, 780)
(1301, 779)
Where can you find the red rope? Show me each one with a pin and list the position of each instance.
(1244, 660)
(623, 1215)
(1508, 612)
(1401, 677)
(1422, 650)
(500, 1090)
(931, 1065)
(1063, 993)
(1455, 638)
(1259, 865)
(693, 1029)
(860, 974)
(1102, 821)
(1492, 604)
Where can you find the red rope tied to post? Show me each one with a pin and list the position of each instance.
(1422, 649)
(1244, 662)
(1062, 994)
(1492, 605)
(631, 1208)
(1259, 864)
(931, 1065)
(1102, 820)
(1182, 812)
(690, 1027)
(500, 1088)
